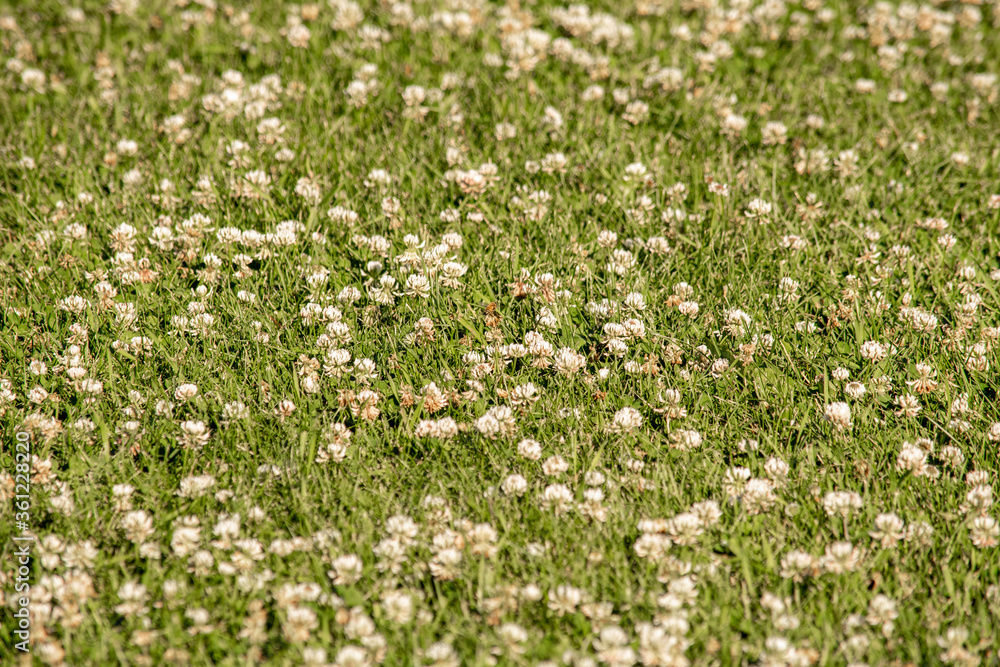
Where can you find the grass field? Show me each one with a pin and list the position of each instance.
(458, 333)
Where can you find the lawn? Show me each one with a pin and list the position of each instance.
(451, 332)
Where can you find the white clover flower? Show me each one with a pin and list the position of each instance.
(626, 420)
(839, 415)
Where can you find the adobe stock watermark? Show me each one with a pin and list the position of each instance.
(23, 540)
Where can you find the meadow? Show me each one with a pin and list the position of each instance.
(452, 332)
